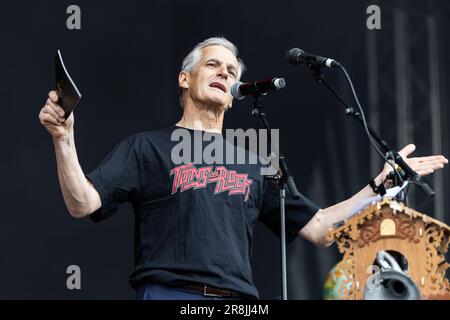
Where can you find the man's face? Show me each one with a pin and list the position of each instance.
(210, 81)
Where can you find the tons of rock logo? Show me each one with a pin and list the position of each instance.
(188, 176)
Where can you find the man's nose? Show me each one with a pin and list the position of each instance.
(223, 71)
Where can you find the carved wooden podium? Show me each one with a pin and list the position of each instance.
(391, 226)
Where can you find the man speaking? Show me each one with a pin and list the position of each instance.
(193, 221)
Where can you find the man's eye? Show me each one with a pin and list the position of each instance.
(211, 64)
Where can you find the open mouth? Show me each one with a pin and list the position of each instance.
(219, 86)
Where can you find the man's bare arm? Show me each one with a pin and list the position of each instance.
(79, 194)
(316, 229)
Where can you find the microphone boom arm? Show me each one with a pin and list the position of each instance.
(409, 172)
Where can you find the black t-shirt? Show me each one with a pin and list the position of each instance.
(193, 222)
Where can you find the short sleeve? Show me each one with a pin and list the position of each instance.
(298, 212)
(115, 179)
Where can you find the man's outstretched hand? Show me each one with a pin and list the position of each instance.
(316, 229)
(422, 165)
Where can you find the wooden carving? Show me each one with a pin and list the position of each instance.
(391, 226)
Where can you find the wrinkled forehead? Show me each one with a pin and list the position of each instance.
(220, 54)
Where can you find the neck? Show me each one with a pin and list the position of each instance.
(206, 118)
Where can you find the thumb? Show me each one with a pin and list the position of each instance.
(406, 151)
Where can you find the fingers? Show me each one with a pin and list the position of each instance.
(422, 165)
(51, 112)
(47, 109)
(46, 118)
(426, 165)
(54, 109)
(429, 158)
(53, 96)
(434, 162)
(407, 150)
(424, 172)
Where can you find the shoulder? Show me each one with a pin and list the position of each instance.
(153, 136)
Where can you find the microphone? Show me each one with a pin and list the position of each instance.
(239, 90)
(298, 56)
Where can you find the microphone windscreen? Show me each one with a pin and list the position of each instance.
(235, 91)
(293, 54)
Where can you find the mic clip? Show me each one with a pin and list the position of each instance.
(316, 71)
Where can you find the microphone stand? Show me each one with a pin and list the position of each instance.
(283, 178)
(408, 172)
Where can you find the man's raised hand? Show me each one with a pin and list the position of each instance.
(51, 117)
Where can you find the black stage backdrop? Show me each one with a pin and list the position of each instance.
(125, 60)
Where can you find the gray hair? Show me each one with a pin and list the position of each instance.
(191, 60)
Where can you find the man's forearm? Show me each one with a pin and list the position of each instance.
(80, 196)
(316, 229)
(341, 211)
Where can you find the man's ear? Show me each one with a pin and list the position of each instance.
(183, 80)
